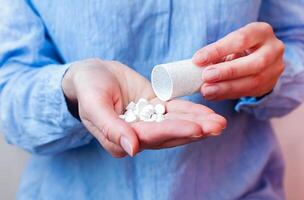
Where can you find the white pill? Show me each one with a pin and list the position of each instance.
(145, 115)
(149, 109)
(129, 112)
(143, 110)
(153, 117)
(148, 120)
(160, 118)
(144, 118)
(131, 117)
(140, 105)
(160, 109)
(130, 106)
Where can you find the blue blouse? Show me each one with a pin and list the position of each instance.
(38, 40)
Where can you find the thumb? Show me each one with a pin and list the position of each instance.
(117, 131)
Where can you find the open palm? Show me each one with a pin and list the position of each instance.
(102, 90)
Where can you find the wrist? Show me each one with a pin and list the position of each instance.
(69, 92)
(68, 84)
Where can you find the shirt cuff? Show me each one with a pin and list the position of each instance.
(70, 131)
(258, 106)
(55, 99)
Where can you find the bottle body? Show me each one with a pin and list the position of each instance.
(176, 79)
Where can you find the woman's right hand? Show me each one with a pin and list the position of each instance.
(102, 89)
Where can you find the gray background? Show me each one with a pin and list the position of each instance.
(289, 131)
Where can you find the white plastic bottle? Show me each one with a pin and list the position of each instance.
(176, 79)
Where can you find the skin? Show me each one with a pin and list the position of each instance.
(247, 62)
(102, 89)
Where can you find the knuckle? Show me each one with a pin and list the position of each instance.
(216, 51)
(243, 40)
(255, 83)
(231, 72)
(227, 89)
(281, 47)
(265, 27)
(261, 63)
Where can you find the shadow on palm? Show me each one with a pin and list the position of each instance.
(184, 122)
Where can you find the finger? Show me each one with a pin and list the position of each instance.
(234, 89)
(229, 89)
(155, 133)
(256, 85)
(176, 142)
(235, 42)
(234, 56)
(113, 149)
(182, 106)
(102, 114)
(229, 57)
(241, 67)
(211, 124)
(203, 121)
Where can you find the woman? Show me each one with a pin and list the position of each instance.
(47, 82)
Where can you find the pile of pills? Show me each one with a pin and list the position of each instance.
(143, 110)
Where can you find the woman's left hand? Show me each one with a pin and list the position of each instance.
(247, 62)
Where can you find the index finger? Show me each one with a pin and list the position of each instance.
(102, 114)
(235, 42)
(183, 106)
(153, 134)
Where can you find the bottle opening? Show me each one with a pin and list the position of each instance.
(162, 83)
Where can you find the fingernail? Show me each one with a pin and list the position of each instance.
(211, 74)
(196, 136)
(126, 145)
(215, 134)
(210, 91)
(200, 58)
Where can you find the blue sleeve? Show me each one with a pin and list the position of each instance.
(287, 20)
(33, 111)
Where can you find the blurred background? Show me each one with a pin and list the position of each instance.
(289, 132)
